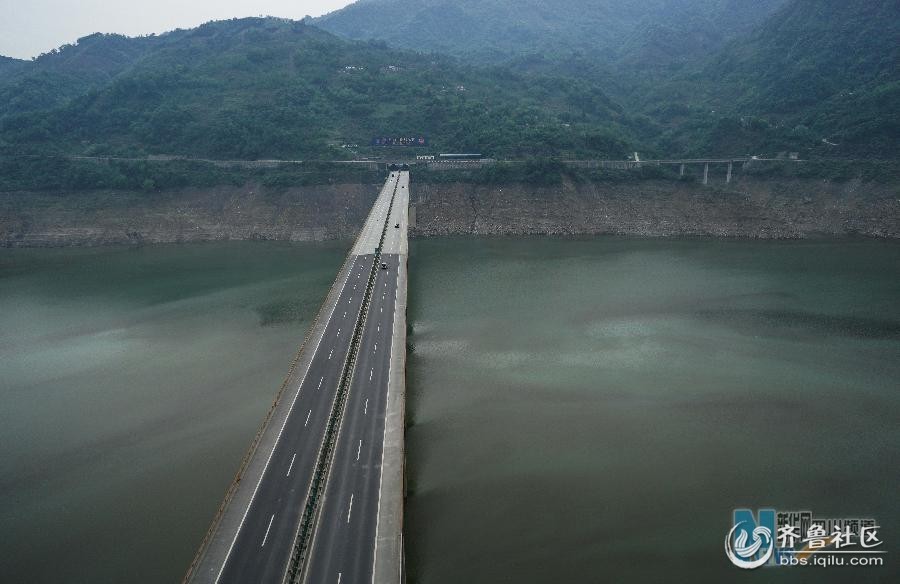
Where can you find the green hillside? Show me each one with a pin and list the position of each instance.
(697, 77)
(8, 66)
(821, 77)
(271, 88)
(64, 73)
(647, 34)
(818, 77)
(829, 69)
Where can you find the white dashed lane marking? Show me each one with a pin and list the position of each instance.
(266, 536)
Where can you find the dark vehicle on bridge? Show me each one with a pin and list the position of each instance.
(383, 266)
(396, 226)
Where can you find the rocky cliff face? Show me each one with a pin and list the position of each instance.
(221, 213)
(747, 208)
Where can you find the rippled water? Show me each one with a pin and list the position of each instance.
(593, 411)
(131, 383)
(580, 410)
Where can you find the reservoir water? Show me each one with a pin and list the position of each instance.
(579, 410)
(593, 411)
(131, 384)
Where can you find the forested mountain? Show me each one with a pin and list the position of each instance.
(272, 88)
(8, 66)
(63, 73)
(698, 77)
(646, 34)
(821, 77)
(828, 68)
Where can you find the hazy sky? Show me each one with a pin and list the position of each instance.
(31, 27)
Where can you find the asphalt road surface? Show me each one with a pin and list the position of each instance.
(260, 550)
(343, 548)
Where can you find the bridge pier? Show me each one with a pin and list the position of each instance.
(681, 172)
(706, 173)
(728, 177)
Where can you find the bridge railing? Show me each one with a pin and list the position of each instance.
(303, 538)
(254, 445)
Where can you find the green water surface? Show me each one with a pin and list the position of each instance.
(579, 410)
(131, 384)
(593, 411)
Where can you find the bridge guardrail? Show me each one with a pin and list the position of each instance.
(302, 539)
(254, 445)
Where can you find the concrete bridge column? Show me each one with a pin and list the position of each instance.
(681, 173)
(728, 177)
(706, 173)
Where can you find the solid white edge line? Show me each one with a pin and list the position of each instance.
(378, 215)
(278, 438)
(365, 413)
(384, 436)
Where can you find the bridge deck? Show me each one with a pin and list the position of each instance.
(356, 499)
(252, 539)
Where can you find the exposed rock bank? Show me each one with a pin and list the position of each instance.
(222, 213)
(747, 208)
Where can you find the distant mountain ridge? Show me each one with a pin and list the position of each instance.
(711, 76)
(71, 70)
(645, 33)
(8, 64)
(821, 75)
(275, 88)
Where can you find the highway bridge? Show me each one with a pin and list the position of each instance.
(319, 496)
